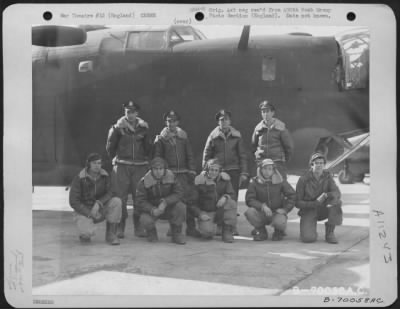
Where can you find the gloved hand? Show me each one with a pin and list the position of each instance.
(156, 212)
(221, 201)
(162, 206)
(281, 211)
(242, 180)
(204, 217)
(95, 213)
(267, 210)
(322, 197)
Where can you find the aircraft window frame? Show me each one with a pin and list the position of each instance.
(179, 31)
(268, 68)
(130, 34)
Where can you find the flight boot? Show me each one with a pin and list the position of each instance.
(219, 230)
(177, 236)
(260, 234)
(227, 233)
(121, 229)
(191, 228)
(329, 234)
(152, 235)
(111, 233)
(235, 231)
(277, 235)
(139, 231)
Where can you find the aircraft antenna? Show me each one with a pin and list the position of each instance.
(244, 38)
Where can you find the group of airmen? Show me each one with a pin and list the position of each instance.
(168, 187)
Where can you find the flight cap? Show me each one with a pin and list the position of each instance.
(223, 114)
(171, 115)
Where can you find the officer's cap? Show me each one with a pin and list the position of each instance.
(133, 106)
(222, 114)
(171, 115)
(266, 105)
(317, 155)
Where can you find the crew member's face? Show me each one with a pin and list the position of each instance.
(172, 124)
(267, 114)
(130, 114)
(158, 171)
(318, 165)
(224, 123)
(95, 166)
(213, 171)
(267, 171)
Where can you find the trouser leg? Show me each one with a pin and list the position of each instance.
(188, 188)
(120, 185)
(113, 210)
(257, 218)
(135, 174)
(86, 227)
(148, 222)
(207, 228)
(235, 177)
(279, 222)
(308, 226)
(176, 213)
(335, 215)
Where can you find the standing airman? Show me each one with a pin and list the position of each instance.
(129, 146)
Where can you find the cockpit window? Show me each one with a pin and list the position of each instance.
(185, 34)
(147, 40)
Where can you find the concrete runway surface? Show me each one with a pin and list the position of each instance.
(62, 266)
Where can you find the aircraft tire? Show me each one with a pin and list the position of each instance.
(345, 178)
(359, 177)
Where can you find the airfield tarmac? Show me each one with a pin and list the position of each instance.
(62, 266)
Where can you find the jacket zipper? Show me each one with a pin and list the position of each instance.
(176, 154)
(133, 147)
(269, 201)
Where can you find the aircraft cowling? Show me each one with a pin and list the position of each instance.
(56, 36)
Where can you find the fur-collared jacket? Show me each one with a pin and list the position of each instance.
(229, 150)
(272, 141)
(127, 144)
(85, 191)
(151, 191)
(208, 192)
(176, 150)
(308, 189)
(275, 192)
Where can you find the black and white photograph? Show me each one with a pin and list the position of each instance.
(202, 160)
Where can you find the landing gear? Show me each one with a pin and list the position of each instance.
(345, 177)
